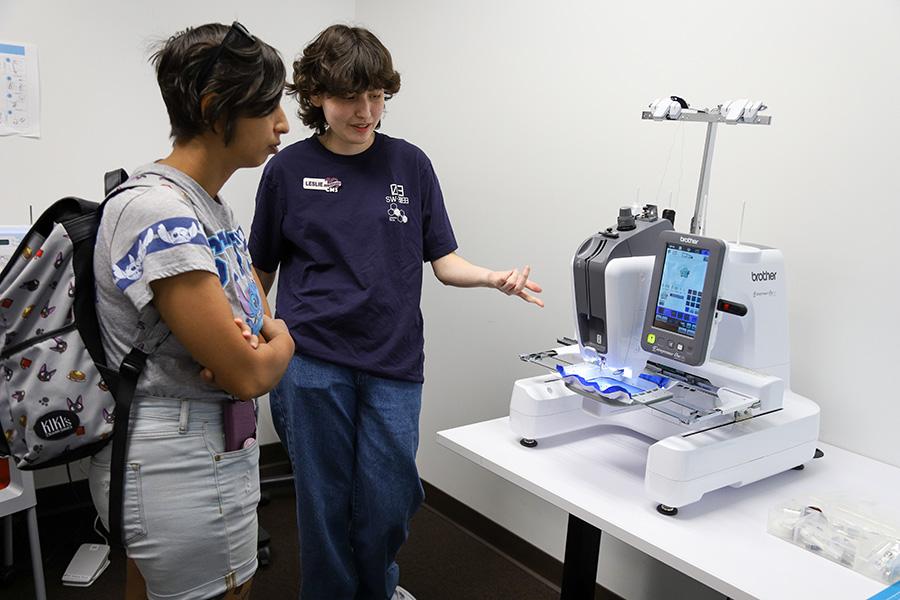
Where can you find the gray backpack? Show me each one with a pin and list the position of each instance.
(59, 399)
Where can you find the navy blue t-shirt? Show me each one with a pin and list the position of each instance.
(350, 234)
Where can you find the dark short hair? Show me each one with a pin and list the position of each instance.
(341, 61)
(246, 80)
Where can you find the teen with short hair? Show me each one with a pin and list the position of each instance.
(170, 249)
(349, 216)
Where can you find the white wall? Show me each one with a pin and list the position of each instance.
(100, 104)
(530, 112)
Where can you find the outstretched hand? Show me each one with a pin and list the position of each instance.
(514, 283)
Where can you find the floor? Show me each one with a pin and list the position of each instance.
(440, 561)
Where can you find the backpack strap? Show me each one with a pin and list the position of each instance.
(129, 372)
(149, 339)
(113, 179)
(152, 333)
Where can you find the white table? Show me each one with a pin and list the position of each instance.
(18, 496)
(597, 476)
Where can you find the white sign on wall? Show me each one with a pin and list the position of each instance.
(19, 90)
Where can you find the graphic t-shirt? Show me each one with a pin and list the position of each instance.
(350, 234)
(169, 227)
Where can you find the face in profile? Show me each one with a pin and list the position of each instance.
(255, 138)
(210, 76)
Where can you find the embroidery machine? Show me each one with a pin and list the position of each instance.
(682, 338)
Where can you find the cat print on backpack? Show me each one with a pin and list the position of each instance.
(44, 374)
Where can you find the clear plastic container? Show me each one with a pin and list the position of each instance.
(845, 530)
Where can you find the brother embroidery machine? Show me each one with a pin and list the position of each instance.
(682, 338)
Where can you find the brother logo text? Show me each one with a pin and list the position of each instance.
(763, 276)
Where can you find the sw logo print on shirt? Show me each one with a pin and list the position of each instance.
(395, 199)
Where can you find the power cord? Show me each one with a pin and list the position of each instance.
(96, 521)
(54, 551)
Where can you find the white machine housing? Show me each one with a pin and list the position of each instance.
(730, 421)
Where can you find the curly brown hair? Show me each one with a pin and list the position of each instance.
(341, 61)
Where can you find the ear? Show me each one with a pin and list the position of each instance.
(204, 102)
(218, 126)
(316, 100)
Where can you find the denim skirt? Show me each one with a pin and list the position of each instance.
(189, 511)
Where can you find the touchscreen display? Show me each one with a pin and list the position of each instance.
(681, 289)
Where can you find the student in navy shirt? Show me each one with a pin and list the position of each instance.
(349, 216)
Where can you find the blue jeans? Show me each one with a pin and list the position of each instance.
(352, 440)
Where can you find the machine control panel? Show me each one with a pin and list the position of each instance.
(683, 297)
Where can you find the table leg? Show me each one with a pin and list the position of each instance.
(580, 566)
(7, 541)
(7, 570)
(37, 566)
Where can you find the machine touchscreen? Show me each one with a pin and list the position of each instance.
(682, 302)
(681, 289)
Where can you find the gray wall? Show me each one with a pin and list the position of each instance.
(530, 112)
(101, 108)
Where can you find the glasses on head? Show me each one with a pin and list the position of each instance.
(237, 33)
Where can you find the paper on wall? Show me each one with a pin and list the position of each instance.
(20, 99)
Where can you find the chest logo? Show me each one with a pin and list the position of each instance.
(328, 184)
(395, 200)
(396, 214)
(397, 196)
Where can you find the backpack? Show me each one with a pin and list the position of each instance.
(59, 399)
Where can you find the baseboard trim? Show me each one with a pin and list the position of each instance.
(533, 559)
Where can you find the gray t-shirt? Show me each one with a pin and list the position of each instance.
(167, 226)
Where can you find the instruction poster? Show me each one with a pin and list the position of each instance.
(20, 100)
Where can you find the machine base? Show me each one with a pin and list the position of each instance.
(686, 462)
